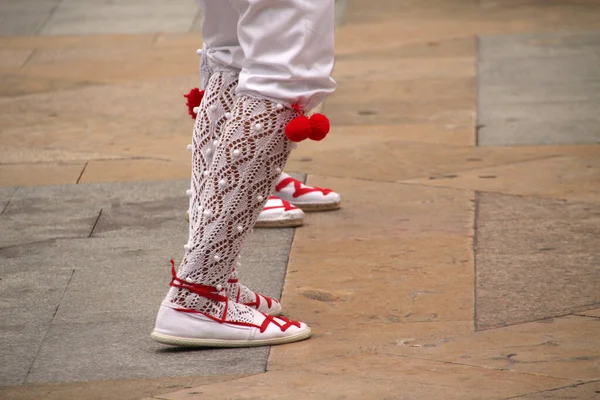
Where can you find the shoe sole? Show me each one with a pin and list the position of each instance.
(319, 207)
(283, 223)
(191, 342)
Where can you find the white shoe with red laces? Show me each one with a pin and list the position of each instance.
(178, 326)
(308, 198)
(279, 213)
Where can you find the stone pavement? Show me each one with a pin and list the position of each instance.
(464, 264)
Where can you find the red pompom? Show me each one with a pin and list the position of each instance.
(319, 127)
(298, 129)
(194, 98)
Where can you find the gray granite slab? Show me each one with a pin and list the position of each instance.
(539, 89)
(41, 213)
(6, 194)
(535, 259)
(22, 23)
(28, 5)
(558, 44)
(539, 70)
(552, 92)
(508, 133)
(123, 349)
(118, 276)
(28, 301)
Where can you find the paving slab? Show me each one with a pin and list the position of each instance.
(22, 23)
(111, 242)
(580, 391)
(535, 259)
(127, 389)
(573, 176)
(123, 349)
(93, 17)
(375, 376)
(28, 301)
(40, 174)
(536, 45)
(48, 212)
(6, 194)
(565, 347)
(538, 89)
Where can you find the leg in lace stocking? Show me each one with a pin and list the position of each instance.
(247, 161)
(212, 115)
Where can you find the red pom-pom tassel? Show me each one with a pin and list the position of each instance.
(319, 127)
(298, 129)
(194, 98)
(301, 128)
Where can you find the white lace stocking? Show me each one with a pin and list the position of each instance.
(246, 162)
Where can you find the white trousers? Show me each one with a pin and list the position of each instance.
(283, 49)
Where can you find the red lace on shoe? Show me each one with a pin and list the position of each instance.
(298, 189)
(255, 304)
(286, 205)
(270, 319)
(211, 292)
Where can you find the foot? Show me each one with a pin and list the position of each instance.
(278, 213)
(203, 316)
(308, 198)
(180, 326)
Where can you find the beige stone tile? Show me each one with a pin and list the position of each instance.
(40, 174)
(575, 177)
(376, 273)
(13, 58)
(566, 347)
(386, 67)
(82, 41)
(382, 155)
(135, 65)
(134, 170)
(395, 101)
(26, 154)
(191, 41)
(17, 85)
(375, 377)
(580, 391)
(127, 389)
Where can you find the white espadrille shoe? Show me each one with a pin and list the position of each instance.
(179, 326)
(278, 213)
(308, 198)
(217, 321)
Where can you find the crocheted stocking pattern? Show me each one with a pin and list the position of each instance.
(218, 99)
(240, 174)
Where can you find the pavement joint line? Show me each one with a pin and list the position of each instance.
(478, 124)
(482, 367)
(547, 157)
(520, 196)
(82, 171)
(48, 326)
(9, 200)
(566, 314)
(96, 223)
(474, 243)
(553, 389)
